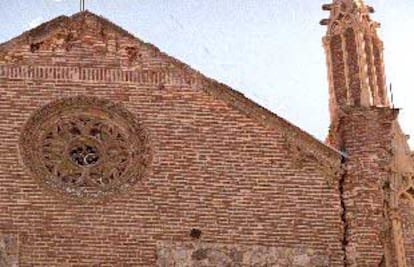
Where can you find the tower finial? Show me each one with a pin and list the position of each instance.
(354, 56)
(354, 2)
(347, 9)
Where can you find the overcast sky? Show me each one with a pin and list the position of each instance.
(270, 50)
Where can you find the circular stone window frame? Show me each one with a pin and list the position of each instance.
(115, 114)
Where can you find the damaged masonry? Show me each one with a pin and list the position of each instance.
(117, 154)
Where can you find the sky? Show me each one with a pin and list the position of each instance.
(270, 50)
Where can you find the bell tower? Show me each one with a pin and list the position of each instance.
(363, 127)
(354, 56)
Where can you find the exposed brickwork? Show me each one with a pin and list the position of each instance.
(220, 163)
(339, 77)
(378, 169)
(353, 69)
(258, 189)
(366, 134)
(378, 161)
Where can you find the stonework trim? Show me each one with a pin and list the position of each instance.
(9, 250)
(116, 136)
(191, 254)
(371, 69)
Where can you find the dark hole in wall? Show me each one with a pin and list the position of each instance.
(195, 233)
(35, 46)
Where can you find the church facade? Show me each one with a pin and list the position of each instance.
(116, 154)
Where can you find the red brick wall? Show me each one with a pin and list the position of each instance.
(354, 79)
(214, 167)
(366, 134)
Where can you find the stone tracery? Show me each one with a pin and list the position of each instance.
(407, 187)
(85, 146)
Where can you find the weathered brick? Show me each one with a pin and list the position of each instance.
(220, 162)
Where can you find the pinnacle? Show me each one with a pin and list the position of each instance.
(358, 3)
(349, 6)
(349, 3)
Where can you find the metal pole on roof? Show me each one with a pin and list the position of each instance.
(82, 5)
(392, 96)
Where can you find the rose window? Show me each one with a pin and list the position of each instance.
(86, 147)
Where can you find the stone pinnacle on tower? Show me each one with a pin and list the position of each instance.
(365, 128)
(354, 56)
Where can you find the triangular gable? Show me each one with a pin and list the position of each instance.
(128, 55)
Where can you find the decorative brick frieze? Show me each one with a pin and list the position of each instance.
(84, 74)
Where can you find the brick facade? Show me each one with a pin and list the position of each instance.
(220, 163)
(226, 181)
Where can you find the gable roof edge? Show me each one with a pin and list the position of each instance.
(232, 97)
(266, 117)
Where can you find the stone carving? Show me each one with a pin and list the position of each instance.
(195, 254)
(86, 147)
(356, 70)
(406, 228)
(406, 187)
(350, 14)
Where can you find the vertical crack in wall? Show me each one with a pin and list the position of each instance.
(387, 231)
(387, 224)
(343, 214)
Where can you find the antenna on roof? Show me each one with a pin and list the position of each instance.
(82, 5)
(392, 96)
